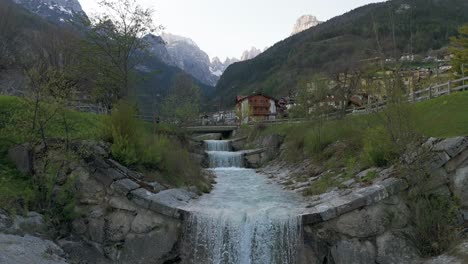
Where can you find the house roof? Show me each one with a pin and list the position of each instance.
(241, 98)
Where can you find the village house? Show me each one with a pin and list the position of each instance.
(256, 107)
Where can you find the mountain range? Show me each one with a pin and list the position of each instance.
(382, 30)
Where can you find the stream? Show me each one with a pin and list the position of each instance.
(246, 219)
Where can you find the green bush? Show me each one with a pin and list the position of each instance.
(123, 150)
(153, 150)
(378, 150)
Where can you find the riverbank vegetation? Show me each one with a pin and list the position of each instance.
(362, 141)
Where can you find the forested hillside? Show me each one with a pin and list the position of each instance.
(28, 41)
(382, 30)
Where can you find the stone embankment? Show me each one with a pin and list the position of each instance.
(124, 216)
(362, 222)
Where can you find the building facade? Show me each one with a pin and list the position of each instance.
(257, 107)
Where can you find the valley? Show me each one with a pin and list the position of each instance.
(346, 142)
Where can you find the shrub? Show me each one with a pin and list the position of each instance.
(153, 150)
(123, 150)
(378, 150)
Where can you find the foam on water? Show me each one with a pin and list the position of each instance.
(244, 220)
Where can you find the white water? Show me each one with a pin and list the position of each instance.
(244, 220)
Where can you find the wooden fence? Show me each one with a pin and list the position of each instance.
(439, 90)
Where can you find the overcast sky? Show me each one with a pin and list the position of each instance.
(225, 28)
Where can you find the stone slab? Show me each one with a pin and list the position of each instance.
(452, 146)
(124, 186)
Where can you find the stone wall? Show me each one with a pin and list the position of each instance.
(126, 217)
(372, 224)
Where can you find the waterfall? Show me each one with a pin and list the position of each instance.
(244, 220)
(218, 145)
(225, 159)
(220, 156)
(242, 239)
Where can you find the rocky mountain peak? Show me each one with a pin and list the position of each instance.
(54, 10)
(305, 22)
(250, 54)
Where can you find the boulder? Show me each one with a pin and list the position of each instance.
(118, 225)
(272, 145)
(460, 185)
(29, 249)
(253, 160)
(124, 186)
(90, 191)
(82, 253)
(22, 157)
(122, 203)
(452, 146)
(150, 248)
(31, 223)
(146, 221)
(367, 222)
(96, 230)
(353, 252)
(393, 249)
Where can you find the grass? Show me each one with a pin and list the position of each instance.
(364, 138)
(446, 116)
(16, 189)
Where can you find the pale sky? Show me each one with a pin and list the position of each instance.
(225, 28)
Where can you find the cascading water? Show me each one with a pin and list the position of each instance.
(244, 220)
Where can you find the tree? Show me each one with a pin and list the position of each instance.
(459, 48)
(183, 102)
(114, 47)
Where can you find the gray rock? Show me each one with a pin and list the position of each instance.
(253, 160)
(353, 252)
(124, 186)
(5, 221)
(122, 203)
(96, 230)
(460, 185)
(151, 247)
(444, 259)
(438, 160)
(79, 226)
(108, 176)
(83, 253)
(452, 146)
(29, 249)
(90, 191)
(146, 221)
(372, 220)
(22, 156)
(392, 249)
(118, 225)
(141, 197)
(157, 187)
(457, 161)
(32, 223)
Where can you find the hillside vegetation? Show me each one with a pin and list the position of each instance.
(159, 152)
(419, 26)
(363, 140)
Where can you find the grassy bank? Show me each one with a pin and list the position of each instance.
(17, 191)
(159, 151)
(358, 142)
